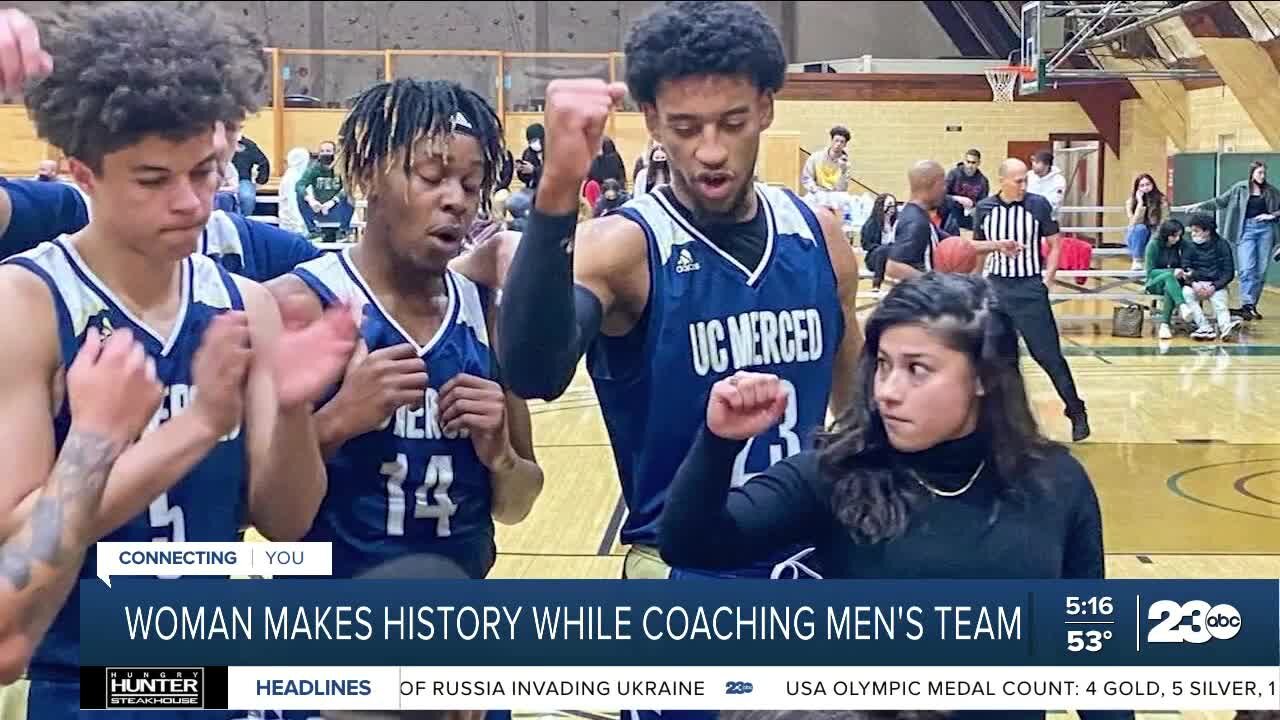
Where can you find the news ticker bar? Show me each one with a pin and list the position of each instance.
(683, 688)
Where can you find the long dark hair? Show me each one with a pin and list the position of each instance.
(654, 168)
(1253, 166)
(1155, 198)
(855, 456)
(878, 209)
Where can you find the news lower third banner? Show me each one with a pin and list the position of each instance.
(314, 644)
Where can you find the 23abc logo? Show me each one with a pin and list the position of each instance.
(1193, 622)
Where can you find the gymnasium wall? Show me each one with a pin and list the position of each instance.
(888, 137)
(1215, 112)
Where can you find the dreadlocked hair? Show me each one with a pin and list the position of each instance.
(397, 115)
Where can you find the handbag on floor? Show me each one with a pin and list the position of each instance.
(1126, 321)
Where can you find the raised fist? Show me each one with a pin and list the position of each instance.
(577, 111)
(745, 405)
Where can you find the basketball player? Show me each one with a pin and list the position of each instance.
(33, 212)
(425, 449)
(1022, 276)
(133, 99)
(685, 285)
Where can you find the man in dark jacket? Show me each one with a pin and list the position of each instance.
(1209, 270)
(967, 186)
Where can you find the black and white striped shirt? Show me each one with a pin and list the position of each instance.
(1027, 221)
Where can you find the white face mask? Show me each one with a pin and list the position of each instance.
(1200, 239)
(536, 145)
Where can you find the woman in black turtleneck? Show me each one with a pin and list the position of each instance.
(938, 471)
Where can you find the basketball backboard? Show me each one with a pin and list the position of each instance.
(1032, 50)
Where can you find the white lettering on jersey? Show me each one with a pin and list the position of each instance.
(174, 401)
(755, 338)
(422, 423)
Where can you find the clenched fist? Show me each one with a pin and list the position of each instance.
(577, 111)
(112, 387)
(745, 405)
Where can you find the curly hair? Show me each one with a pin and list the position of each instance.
(125, 71)
(684, 39)
(867, 496)
(396, 115)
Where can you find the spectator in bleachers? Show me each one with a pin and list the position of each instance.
(608, 165)
(612, 198)
(290, 212)
(1210, 269)
(655, 172)
(529, 169)
(1250, 207)
(324, 197)
(1165, 270)
(1146, 211)
(47, 171)
(228, 195)
(877, 235)
(828, 170)
(1046, 180)
(966, 185)
(254, 169)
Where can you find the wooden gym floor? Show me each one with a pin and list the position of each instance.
(1185, 455)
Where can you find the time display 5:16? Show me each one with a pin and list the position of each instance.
(1092, 606)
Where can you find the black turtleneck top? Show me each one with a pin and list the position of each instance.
(1052, 530)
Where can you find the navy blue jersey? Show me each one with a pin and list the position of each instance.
(41, 212)
(208, 505)
(408, 487)
(708, 316)
(254, 249)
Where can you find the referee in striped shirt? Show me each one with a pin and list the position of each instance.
(1010, 226)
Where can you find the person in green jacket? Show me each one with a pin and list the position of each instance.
(321, 195)
(1251, 208)
(1165, 270)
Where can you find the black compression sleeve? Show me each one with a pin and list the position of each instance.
(546, 320)
(696, 529)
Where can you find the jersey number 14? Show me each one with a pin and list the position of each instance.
(789, 442)
(430, 501)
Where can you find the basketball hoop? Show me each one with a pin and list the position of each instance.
(1004, 80)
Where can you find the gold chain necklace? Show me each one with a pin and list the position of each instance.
(949, 493)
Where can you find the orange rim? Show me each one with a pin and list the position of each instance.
(1026, 72)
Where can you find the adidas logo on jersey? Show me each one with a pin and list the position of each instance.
(685, 263)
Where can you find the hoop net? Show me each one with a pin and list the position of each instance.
(1004, 80)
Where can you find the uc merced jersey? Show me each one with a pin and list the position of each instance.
(209, 504)
(708, 317)
(408, 487)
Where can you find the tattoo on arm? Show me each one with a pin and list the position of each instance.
(57, 530)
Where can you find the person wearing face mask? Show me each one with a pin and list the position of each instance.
(1209, 269)
(655, 172)
(612, 198)
(1250, 210)
(529, 169)
(937, 471)
(323, 197)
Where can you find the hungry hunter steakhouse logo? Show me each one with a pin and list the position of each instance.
(155, 687)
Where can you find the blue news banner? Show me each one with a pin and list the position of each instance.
(378, 644)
